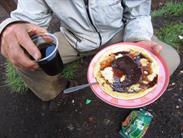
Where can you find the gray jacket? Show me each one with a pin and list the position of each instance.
(88, 24)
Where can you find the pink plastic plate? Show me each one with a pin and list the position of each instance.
(163, 81)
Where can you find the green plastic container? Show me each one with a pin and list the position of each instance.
(136, 124)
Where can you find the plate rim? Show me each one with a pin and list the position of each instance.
(160, 93)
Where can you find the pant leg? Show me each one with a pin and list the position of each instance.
(48, 87)
(67, 52)
(169, 54)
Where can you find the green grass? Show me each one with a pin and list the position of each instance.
(169, 9)
(17, 84)
(14, 80)
(169, 34)
(69, 71)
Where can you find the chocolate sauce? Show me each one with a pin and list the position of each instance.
(122, 52)
(137, 59)
(152, 83)
(127, 66)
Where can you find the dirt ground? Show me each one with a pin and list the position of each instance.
(25, 116)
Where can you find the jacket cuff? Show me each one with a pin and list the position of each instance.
(139, 29)
(5, 24)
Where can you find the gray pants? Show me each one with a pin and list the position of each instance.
(48, 87)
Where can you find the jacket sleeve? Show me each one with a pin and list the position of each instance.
(33, 11)
(137, 19)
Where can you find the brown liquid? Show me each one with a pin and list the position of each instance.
(53, 65)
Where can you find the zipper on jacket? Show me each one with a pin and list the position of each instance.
(79, 40)
(86, 2)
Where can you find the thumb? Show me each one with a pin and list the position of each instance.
(156, 47)
(34, 29)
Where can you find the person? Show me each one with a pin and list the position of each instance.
(86, 27)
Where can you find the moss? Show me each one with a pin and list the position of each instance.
(170, 34)
(169, 9)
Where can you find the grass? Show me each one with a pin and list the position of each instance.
(14, 80)
(17, 84)
(170, 34)
(169, 9)
(69, 71)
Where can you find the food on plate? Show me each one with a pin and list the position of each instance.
(126, 72)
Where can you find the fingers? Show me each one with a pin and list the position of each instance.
(34, 29)
(3, 51)
(47, 39)
(26, 42)
(154, 47)
(16, 54)
(16, 43)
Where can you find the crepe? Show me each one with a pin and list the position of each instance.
(126, 72)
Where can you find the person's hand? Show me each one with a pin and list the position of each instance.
(16, 40)
(153, 46)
